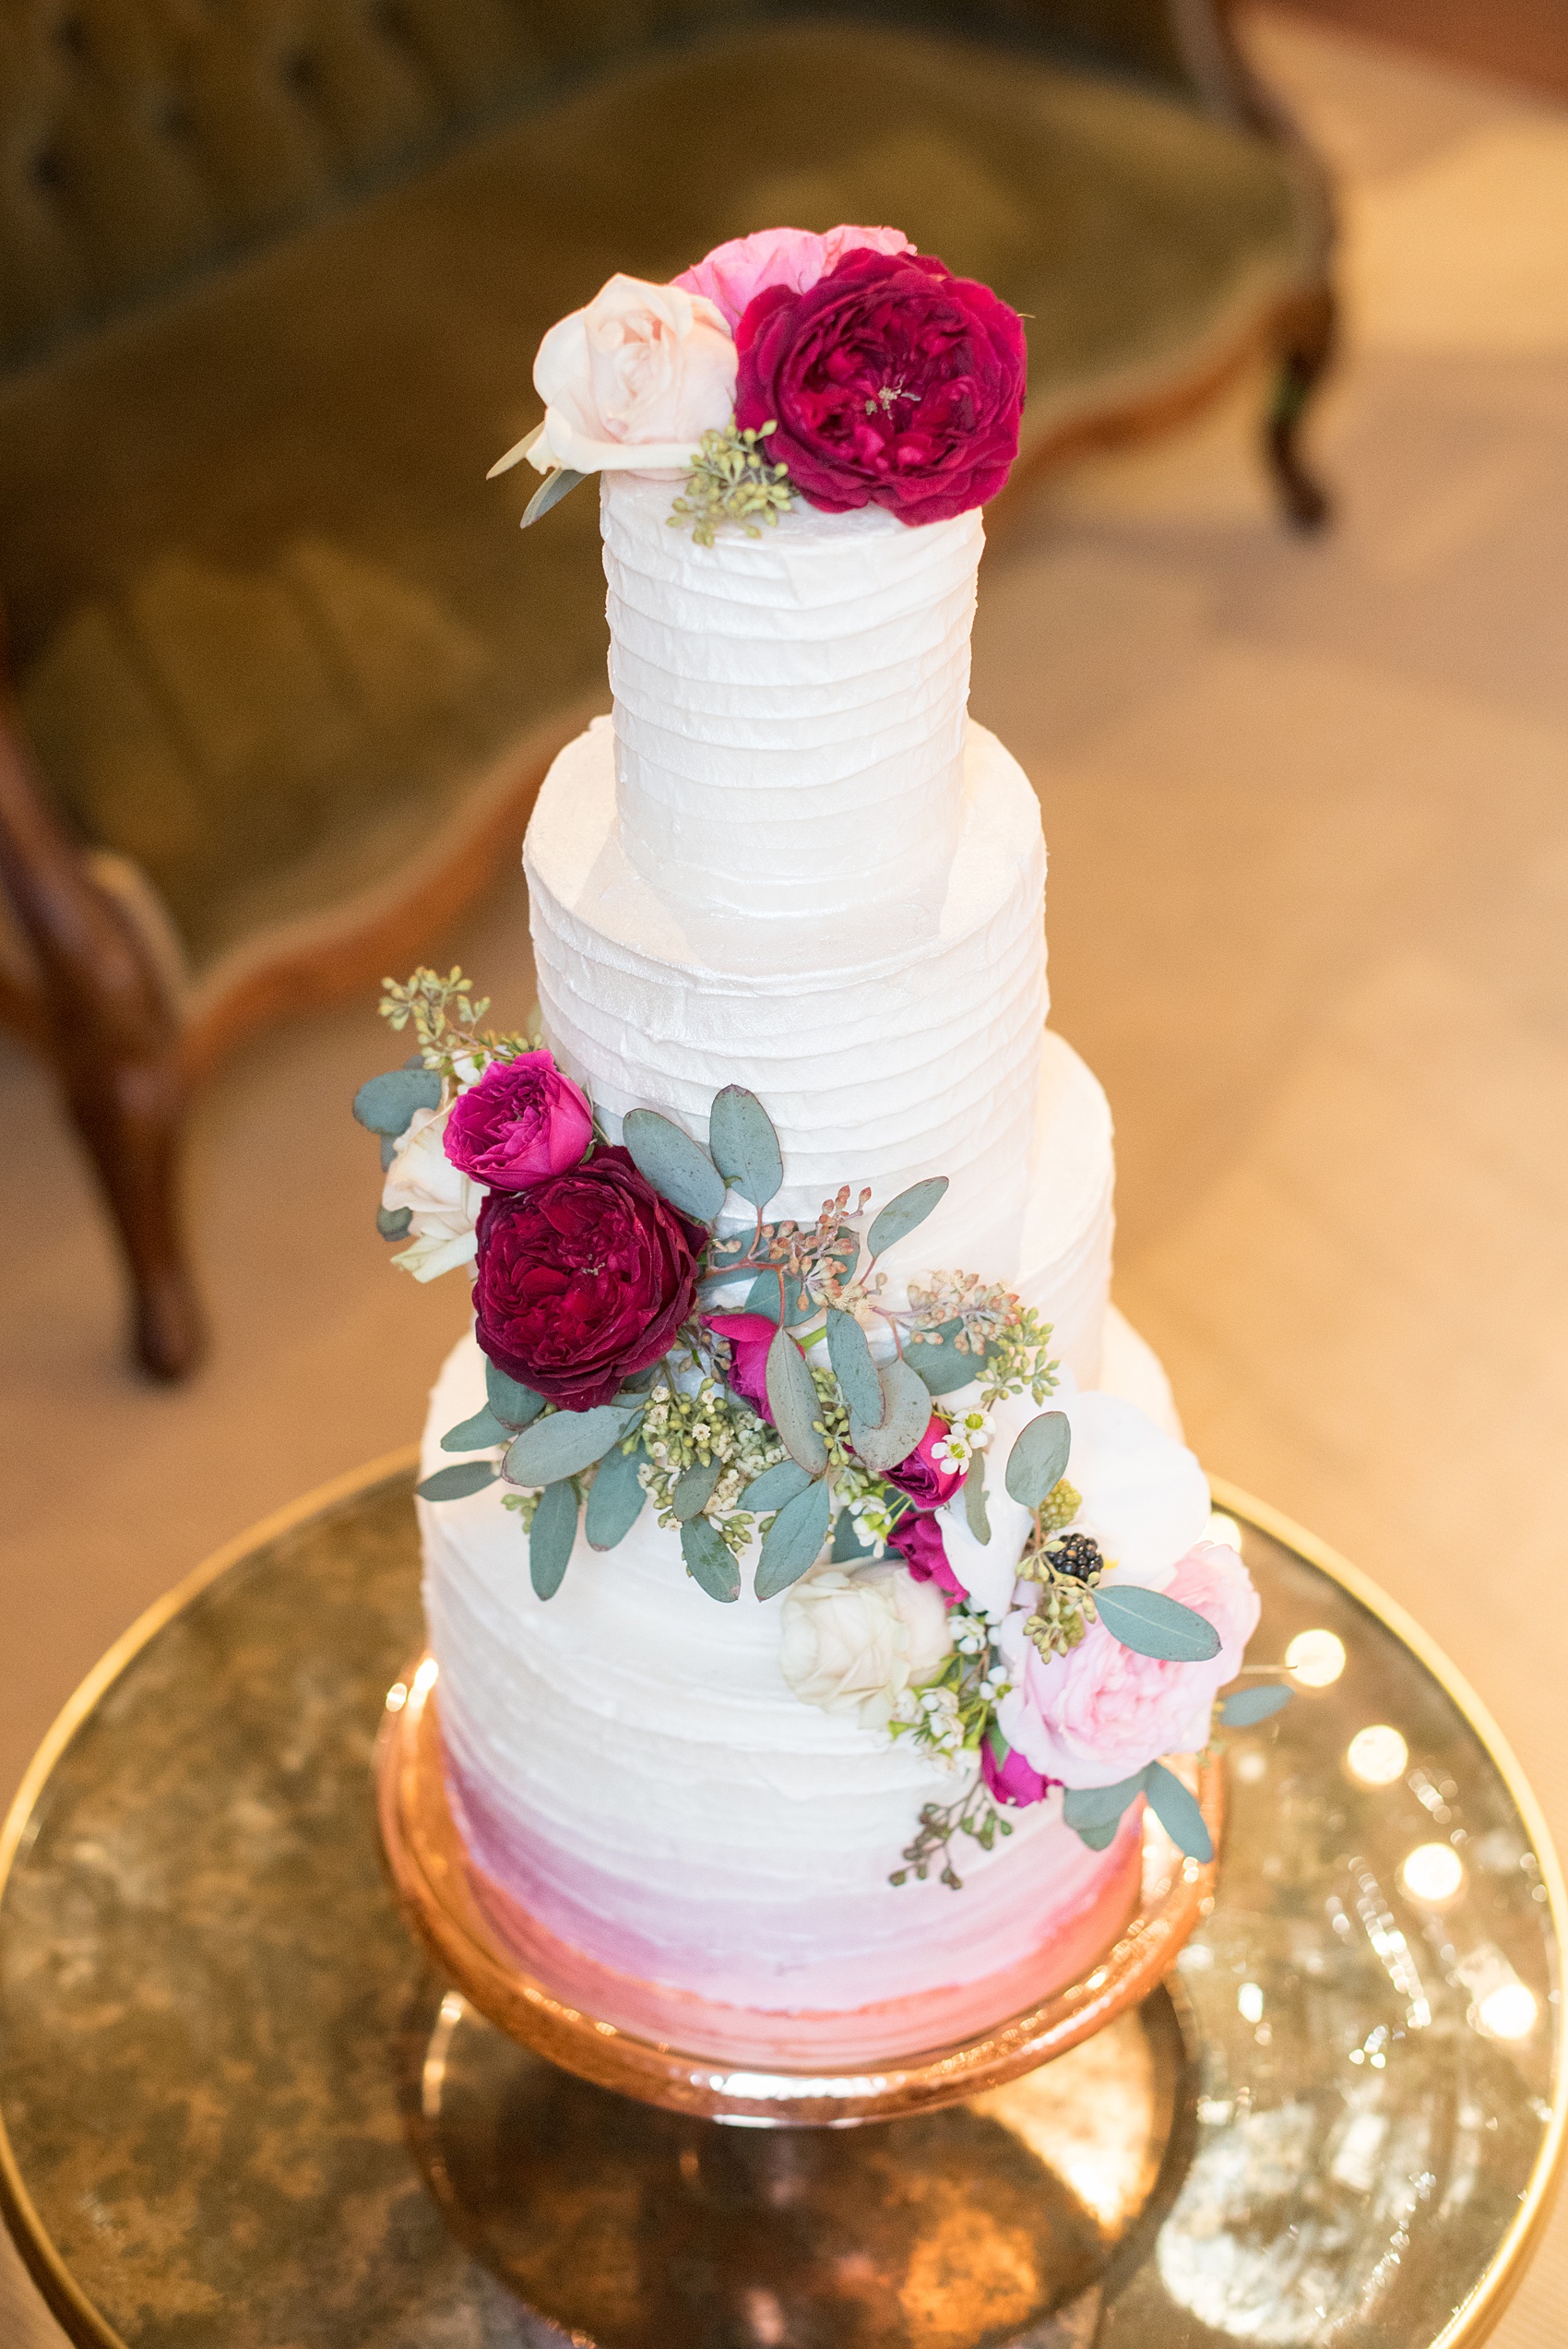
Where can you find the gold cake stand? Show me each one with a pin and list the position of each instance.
(238, 2106)
(432, 1875)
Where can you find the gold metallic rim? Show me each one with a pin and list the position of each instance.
(1469, 2326)
(64, 2296)
(1472, 2322)
(425, 1859)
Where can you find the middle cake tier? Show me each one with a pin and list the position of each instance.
(905, 1042)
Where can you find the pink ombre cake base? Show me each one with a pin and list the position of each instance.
(883, 2031)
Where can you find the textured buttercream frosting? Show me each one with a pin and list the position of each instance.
(788, 862)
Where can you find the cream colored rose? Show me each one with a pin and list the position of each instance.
(632, 382)
(852, 1642)
(444, 1201)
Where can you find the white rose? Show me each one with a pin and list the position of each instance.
(852, 1642)
(444, 1200)
(632, 382)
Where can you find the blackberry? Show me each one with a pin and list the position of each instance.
(1077, 1554)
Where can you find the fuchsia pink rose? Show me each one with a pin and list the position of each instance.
(522, 1121)
(918, 1539)
(891, 383)
(732, 274)
(583, 1279)
(750, 1336)
(926, 1482)
(1098, 1714)
(1012, 1779)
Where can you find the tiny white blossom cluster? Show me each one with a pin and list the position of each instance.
(969, 1433)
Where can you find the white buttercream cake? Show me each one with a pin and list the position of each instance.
(788, 861)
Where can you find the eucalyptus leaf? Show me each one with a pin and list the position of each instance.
(516, 454)
(693, 1489)
(1038, 1458)
(745, 1146)
(793, 1400)
(393, 1223)
(389, 1152)
(551, 1536)
(616, 1497)
(854, 1367)
(1176, 1811)
(480, 1433)
(514, 1405)
(709, 1559)
(942, 1366)
(906, 1416)
(1152, 1624)
(563, 1445)
(848, 1547)
(386, 1103)
(976, 1516)
(679, 1169)
(550, 493)
(775, 1486)
(793, 1541)
(1246, 1706)
(904, 1214)
(1100, 1806)
(456, 1483)
(1098, 1839)
(763, 1297)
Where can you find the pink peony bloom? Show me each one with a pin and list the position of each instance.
(733, 274)
(522, 1121)
(1098, 1714)
(926, 1482)
(1012, 1780)
(750, 1336)
(918, 1539)
(891, 383)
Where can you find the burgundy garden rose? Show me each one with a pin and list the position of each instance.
(891, 383)
(750, 1336)
(926, 1482)
(918, 1539)
(522, 1121)
(1009, 1777)
(583, 1279)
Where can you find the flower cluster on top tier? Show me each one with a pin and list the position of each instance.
(650, 1335)
(846, 369)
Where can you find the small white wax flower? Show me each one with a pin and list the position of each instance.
(852, 1640)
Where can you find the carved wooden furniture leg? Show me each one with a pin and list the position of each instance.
(1306, 347)
(115, 1039)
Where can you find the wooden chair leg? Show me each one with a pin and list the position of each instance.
(1306, 347)
(115, 1039)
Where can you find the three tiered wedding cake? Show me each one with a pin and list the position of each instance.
(811, 1616)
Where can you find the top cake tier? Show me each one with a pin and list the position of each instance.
(790, 709)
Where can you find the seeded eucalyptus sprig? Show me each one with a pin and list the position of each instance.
(974, 1814)
(445, 1015)
(731, 480)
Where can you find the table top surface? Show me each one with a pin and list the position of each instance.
(238, 2109)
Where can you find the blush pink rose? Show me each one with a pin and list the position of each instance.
(926, 1482)
(750, 1336)
(732, 274)
(1011, 1779)
(1098, 1714)
(918, 1539)
(522, 1121)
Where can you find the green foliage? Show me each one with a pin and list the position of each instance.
(514, 1405)
(905, 1415)
(616, 1497)
(775, 1486)
(709, 1559)
(904, 1214)
(393, 1223)
(791, 1397)
(456, 1483)
(1244, 1707)
(974, 1814)
(480, 1433)
(745, 1146)
(693, 1489)
(1153, 1624)
(1038, 1458)
(854, 1367)
(1176, 1811)
(732, 481)
(443, 1014)
(679, 1169)
(550, 491)
(386, 1103)
(564, 1443)
(793, 1542)
(551, 1534)
(975, 1514)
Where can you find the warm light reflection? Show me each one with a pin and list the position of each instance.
(425, 1678)
(1377, 1755)
(1316, 1659)
(1433, 1873)
(1249, 2002)
(1508, 2013)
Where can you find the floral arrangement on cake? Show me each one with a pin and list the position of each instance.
(877, 1447)
(847, 370)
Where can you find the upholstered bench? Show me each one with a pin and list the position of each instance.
(270, 286)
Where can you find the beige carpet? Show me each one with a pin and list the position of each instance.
(1308, 813)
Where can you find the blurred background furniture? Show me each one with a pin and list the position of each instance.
(270, 286)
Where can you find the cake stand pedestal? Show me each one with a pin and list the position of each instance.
(238, 2108)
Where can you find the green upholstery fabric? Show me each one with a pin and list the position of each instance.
(269, 619)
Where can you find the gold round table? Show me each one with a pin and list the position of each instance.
(237, 2111)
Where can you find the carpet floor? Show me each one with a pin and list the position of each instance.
(1307, 805)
